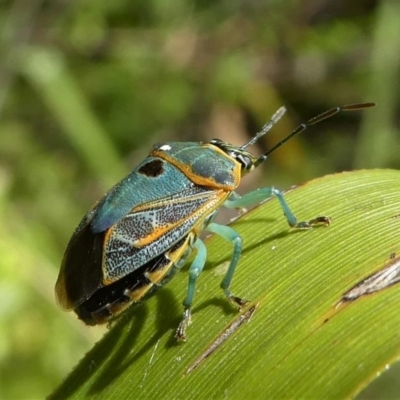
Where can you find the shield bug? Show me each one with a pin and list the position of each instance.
(141, 232)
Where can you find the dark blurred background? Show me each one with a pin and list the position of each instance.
(86, 88)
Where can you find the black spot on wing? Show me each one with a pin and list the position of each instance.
(152, 168)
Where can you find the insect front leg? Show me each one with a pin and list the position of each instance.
(256, 196)
(232, 236)
(194, 271)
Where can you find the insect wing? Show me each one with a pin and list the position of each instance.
(93, 260)
(151, 180)
(80, 274)
(151, 229)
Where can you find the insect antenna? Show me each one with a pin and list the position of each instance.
(267, 127)
(302, 127)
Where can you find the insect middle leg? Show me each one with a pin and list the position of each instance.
(232, 236)
(256, 196)
(197, 266)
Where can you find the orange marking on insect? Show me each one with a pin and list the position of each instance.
(199, 215)
(173, 256)
(157, 276)
(198, 179)
(138, 294)
(62, 296)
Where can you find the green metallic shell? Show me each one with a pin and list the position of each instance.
(172, 192)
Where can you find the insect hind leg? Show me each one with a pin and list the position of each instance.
(194, 271)
(197, 267)
(258, 195)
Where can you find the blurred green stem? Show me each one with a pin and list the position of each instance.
(378, 133)
(48, 73)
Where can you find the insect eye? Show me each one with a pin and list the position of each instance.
(217, 142)
(245, 161)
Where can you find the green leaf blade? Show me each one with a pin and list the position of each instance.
(298, 343)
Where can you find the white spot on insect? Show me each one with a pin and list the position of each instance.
(165, 147)
(273, 247)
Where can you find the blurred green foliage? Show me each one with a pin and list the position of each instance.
(87, 88)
